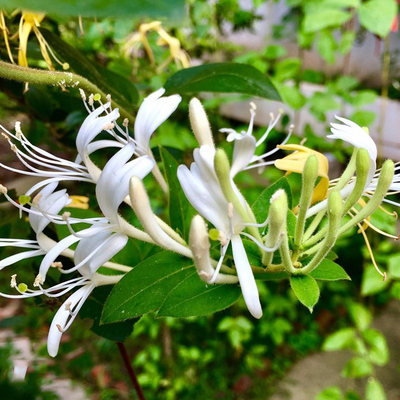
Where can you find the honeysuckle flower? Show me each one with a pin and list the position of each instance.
(29, 22)
(245, 144)
(108, 235)
(45, 206)
(295, 162)
(202, 188)
(351, 133)
(176, 53)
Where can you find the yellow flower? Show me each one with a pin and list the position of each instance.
(295, 162)
(177, 54)
(28, 23)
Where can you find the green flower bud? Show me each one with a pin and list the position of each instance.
(276, 223)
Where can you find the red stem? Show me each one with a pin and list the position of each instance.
(131, 372)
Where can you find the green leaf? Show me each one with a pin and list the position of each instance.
(374, 390)
(92, 309)
(363, 118)
(372, 282)
(330, 393)
(261, 206)
(328, 270)
(274, 51)
(394, 266)
(324, 18)
(306, 290)
(346, 42)
(151, 9)
(360, 315)
(339, 340)
(193, 298)
(291, 95)
(287, 69)
(377, 16)
(122, 90)
(180, 210)
(357, 367)
(222, 77)
(362, 97)
(151, 283)
(378, 352)
(326, 46)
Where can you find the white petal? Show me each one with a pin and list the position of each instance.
(202, 200)
(355, 135)
(246, 277)
(18, 257)
(152, 113)
(54, 252)
(113, 184)
(92, 126)
(63, 316)
(243, 152)
(103, 245)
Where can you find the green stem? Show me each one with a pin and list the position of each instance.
(334, 218)
(385, 179)
(314, 225)
(55, 78)
(310, 174)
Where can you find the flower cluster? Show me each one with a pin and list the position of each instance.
(326, 208)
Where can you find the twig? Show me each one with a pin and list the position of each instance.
(131, 372)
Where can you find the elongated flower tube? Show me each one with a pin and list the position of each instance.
(141, 205)
(199, 243)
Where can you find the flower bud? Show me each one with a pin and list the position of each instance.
(276, 222)
(199, 122)
(200, 245)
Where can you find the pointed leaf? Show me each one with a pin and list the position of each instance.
(306, 290)
(151, 283)
(180, 210)
(329, 271)
(374, 390)
(151, 9)
(192, 297)
(222, 77)
(122, 90)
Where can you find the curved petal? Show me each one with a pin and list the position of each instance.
(246, 277)
(100, 248)
(352, 133)
(202, 200)
(20, 256)
(113, 184)
(152, 113)
(65, 316)
(243, 152)
(54, 252)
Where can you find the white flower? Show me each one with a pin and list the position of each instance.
(202, 188)
(152, 113)
(245, 144)
(353, 134)
(45, 206)
(105, 236)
